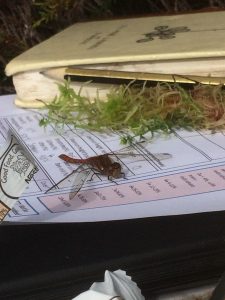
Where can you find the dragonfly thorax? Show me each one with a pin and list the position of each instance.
(114, 170)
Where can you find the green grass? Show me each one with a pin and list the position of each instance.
(138, 110)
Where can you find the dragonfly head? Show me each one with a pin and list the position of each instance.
(115, 170)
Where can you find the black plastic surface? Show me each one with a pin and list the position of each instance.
(58, 261)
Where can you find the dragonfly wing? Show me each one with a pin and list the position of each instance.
(78, 180)
(124, 152)
(132, 152)
(75, 179)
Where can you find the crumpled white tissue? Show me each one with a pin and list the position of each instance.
(117, 285)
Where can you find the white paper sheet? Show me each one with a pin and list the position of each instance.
(190, 180)
(117, 285)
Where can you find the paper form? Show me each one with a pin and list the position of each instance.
(190, 180)
(17, 170)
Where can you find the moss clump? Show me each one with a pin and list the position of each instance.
(140, 110)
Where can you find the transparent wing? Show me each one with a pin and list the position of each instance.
(78, 181)
(125, 151)
(134, 151)
(74, 180)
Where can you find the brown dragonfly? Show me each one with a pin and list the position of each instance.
(100, 164)
(103, 164)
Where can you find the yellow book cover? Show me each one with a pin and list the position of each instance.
(159, 44)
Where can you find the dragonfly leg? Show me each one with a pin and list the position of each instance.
(56, 184)
(94, 173)
(123, 175)
(110, 178)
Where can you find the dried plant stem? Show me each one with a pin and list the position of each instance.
(140, 110)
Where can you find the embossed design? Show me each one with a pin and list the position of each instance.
(163, 33)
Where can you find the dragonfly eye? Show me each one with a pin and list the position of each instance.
(115, 170)
(116, 165)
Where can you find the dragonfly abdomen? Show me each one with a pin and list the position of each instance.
(72, 160)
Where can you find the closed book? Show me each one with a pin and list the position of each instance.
(97, 54)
